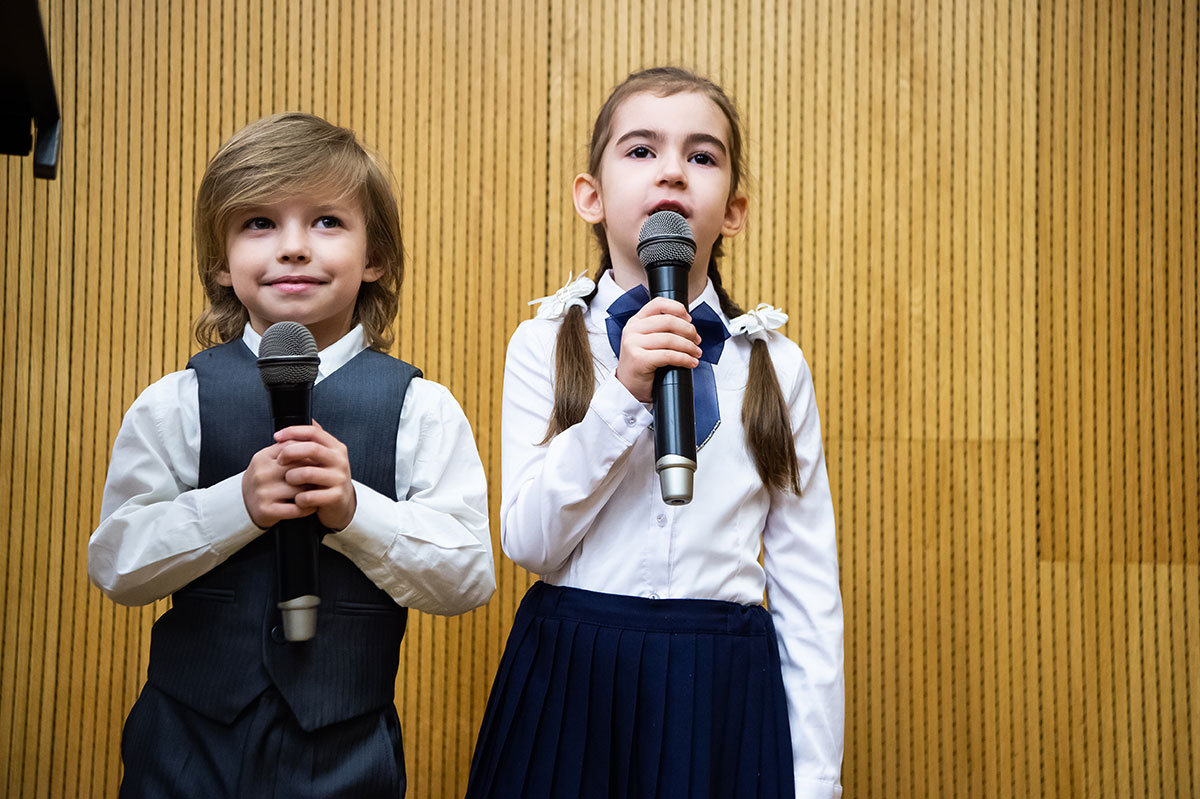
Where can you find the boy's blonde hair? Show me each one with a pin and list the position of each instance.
(290, 154)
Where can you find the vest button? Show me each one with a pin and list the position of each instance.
(277, 635)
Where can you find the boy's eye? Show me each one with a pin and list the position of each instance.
(641, 151)
(329, 221)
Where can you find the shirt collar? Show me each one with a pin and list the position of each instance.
(607, 292)
(333, 357)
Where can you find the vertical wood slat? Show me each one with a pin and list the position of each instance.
(982, 219)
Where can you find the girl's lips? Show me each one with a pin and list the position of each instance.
(667, 205)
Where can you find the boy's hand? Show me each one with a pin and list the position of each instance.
(660, 334)
(306, 470)
(317, 465)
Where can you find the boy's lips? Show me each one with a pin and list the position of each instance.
(291, 283)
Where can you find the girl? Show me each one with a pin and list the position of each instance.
(643, 663)
(295, 221)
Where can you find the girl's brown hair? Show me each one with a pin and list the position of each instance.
(764, 412)
(288, 154)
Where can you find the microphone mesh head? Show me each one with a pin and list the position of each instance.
(666, 237)
(287, 354)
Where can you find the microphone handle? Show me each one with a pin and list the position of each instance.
(297, 541)
(674, 411)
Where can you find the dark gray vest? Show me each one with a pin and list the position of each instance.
(220, 645)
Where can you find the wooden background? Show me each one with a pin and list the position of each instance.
(982, 217)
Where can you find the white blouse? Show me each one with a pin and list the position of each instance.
(430, 551)
(586, 511)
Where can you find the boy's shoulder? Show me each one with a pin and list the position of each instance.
(170, 402)
(170, 387)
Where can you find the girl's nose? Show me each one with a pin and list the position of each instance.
(670, 171)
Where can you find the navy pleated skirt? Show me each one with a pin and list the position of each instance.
(604, 695)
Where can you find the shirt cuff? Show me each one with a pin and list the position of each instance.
(817, 789)
(373, 513)
(622, 412)
(225, 519)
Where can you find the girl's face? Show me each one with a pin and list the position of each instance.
(667, 153)
(302, 259)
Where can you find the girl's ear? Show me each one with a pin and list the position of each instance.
(735, 216)
(224, 278)
(372, 273)
(588, 203)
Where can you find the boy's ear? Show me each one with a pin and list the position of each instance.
(224, 278)
(588, 204)
(735, 216)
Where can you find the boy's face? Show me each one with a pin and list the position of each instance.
(302, 259)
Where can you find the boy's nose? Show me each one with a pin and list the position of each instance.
(293, 246)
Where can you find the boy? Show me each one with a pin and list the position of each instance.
(295, 221)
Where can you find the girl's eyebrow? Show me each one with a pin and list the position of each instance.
(689, 140)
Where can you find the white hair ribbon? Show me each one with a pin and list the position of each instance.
(556, 304)
(755, 323)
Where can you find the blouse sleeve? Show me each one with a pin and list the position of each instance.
(553, 492)
(800, 557)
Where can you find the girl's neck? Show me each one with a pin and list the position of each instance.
(626, 276)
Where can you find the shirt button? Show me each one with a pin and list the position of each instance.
(654, 596)
(631, 420)
(661, 519)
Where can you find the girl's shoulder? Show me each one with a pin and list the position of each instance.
(787, 358)
(785, 353)
(534, 336)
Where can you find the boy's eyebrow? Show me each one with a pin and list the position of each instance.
(690, 139)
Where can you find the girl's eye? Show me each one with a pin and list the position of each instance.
(259, 223)
(704, 159)
(329, 221)
(641, 151)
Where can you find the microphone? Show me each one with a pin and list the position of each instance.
(666, 249)
(287, 363)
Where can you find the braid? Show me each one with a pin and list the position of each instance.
(574, 382)
(768, 425)
(728, 306)
(764, 412)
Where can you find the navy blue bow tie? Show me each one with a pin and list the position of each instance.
(712, 341)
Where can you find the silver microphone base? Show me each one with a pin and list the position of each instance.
(300, 617)
(675, 476)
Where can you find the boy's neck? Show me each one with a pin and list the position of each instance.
(322, 336)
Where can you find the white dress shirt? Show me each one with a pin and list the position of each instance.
(586, 511)
(430, 551)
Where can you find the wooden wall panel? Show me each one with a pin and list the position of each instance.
(982, 218)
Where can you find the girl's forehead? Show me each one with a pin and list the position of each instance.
(680, 113)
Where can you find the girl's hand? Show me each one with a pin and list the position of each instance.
(661, 334)
(317, 466)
